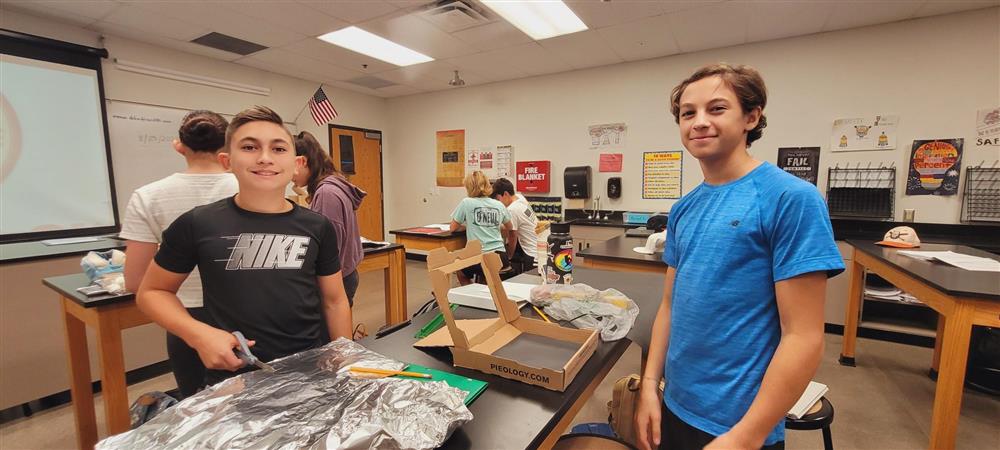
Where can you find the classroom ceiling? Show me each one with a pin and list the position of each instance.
(483, 51)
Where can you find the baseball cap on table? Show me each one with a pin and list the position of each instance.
(900, 237)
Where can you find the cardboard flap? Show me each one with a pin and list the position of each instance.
(442, 337)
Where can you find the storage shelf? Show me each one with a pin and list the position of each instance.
(895, 302)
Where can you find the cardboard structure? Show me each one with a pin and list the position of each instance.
(511, 346)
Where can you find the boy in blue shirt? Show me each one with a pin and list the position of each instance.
(739, 332)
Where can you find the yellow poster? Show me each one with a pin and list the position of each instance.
(661, 174)
(450, 158)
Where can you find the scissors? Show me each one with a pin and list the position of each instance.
(244, 353)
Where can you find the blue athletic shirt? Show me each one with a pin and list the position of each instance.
(729, 244)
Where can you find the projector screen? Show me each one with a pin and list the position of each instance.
(56, 178)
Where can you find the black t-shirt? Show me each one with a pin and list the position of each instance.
(258, 270)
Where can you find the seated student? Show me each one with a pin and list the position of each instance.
(270, 268)
(521, 240)
(330, 194)
(484, 219)
(155, 206)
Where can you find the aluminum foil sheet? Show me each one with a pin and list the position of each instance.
(312, 401)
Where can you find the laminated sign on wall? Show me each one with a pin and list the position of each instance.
(934, 167)
(864, 133)
(802, 162)
(450, 155)
(661, 174)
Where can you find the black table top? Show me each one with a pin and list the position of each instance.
(620, 249)
(946, 278)
(441, 235)
(66, 285)
(509, 414)
(27, 251)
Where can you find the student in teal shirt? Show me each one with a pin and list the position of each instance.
(484, 219)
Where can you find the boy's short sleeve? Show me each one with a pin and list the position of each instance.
(506, 213)
(178, 252)
(137, 225)
(459, 214)
(670, 246)
(802, 237)
(328, 259)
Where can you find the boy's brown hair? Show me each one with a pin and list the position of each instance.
(318, 161)
(745, 81)
(256, 114)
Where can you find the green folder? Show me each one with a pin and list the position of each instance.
(433, 325)
(469, 385)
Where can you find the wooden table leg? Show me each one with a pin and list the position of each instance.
(79, 376)
(852, 317)
(951, 379)
(395, 287)
(113, 388)
(936, 359)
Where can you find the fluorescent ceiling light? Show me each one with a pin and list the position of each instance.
(538, 19)
(361, 41)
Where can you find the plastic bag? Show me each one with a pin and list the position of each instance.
(106, 269)
(608, 311)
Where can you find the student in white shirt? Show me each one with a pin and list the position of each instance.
(521, 241)
(155, 206)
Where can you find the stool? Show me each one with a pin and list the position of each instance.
(815, 419)
(590, 441)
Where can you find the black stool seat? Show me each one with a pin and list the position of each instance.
(819, 420)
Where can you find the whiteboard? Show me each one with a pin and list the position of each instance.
(142, 144)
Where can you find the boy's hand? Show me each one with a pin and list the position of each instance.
(647, 417)
(215, 348)
(731, 441)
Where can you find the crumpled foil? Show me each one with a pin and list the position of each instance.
(609, 311)
(312, 401)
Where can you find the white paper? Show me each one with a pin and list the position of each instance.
(960, 260)
(440, 226)
(812, 394)
(478, 295)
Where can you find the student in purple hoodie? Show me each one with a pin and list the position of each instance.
(331, 195)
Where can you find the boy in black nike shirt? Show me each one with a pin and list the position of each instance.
(269, 268)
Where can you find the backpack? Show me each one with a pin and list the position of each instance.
(624, 402)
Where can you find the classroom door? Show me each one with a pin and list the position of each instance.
(358, 153)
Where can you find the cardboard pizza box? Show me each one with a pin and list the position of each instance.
(510, 346)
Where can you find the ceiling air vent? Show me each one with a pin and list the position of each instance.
(228, 43)
(454, 15)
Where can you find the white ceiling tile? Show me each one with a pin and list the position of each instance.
(714, 26)
(642, 39)
(399, 90)
(142, 36)
(597, 14)
(352, 11)
(317, 49)
(670, 6)
(489, 66)
(494, 35)
(137, 18)
(415, 33)
(530, 58)
(67, 9)
(434, 73)
(938, 7)
(355, 88)
(581, 50)
(320, 70)
(279, 69)
(775, 19)
(44, 12)
(850, 15)
(217, 16)
(290, 16)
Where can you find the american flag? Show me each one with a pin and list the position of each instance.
(321, 108)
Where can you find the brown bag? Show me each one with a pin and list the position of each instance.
(621, 408)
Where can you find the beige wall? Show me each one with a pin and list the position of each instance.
(934, 72)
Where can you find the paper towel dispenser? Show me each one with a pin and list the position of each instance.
(576, 181)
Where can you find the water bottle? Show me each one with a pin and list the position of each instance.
(559, 255)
